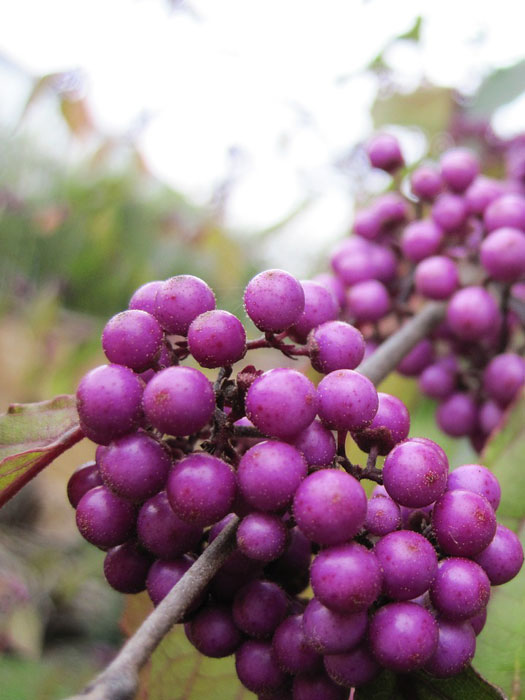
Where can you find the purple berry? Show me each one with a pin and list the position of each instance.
(319, 306)
(460, 590)
(126, 568)
(403, 636)
(333, 284)
(489, 416)
(180, 300)
(437, 277)
(347, 400)
(450, 212)
(262, 536)
(162, 532)
(84, 478)
(503, 558)
(269, 474)
(382, 516)
(257, 668)
(385, 153)
(259, 608)
(135, 466)
(353, 668)
(507, 210)
(415, 361)
(329, 632)
(463, 522)
(109, 403)
(179, 401)
(281, 403)
(163, 575)
(478, 621)
(201, 489)
(352, 261)
(132, 338)
(308, 686)
(274, 300)
(420, 239)
(503, 254)
(415, 473)
(368, 301)
(408, 563)
(144, 297)
(476, 478)
(213, 632)
(367, 224)
(291, 650)
(389, 426)
(482, 192)
(335, 345)
(346, 578)
(317, 444)
(503, 377)
(330, 506)
(459, 167)
(455, 649)
(437, 381)
(104, 519)
(472, 313)
(457, 415)
(425, 182)
(217, 339)
(391, 209)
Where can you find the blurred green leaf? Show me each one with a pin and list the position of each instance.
(414, 33)
(31, 437)
(498, 88)
(500, 651)
(428, 107)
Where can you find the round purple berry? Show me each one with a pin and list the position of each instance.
(274, 300)
(389, 426)
(217, 339)
(320, 305)
(384, 152)
(162, 532)
(330, 632)
(457, 415)
(455, 649)
(420, 239)
(347, 400)
(507, 210)
(179, 401)
(425, 182)
(463, 522)
(450, 212)
(382, 516)
(180, 300)
(503, 254)
(213, 632)
(476, 478)
(317, 444)
(352, 668)
(335, 345)
(503, 558)
(104, 519)
(84, 478)
(460, 590)
(436, 277)
(126, 568)
(472, 313)
(262, 536)
(503, 377)
(132, 338)
(459, 167)
(368, 301)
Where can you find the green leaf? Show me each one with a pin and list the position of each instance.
(498, 88)
(429, 108)
(468, 685)
(500, 651)
(414, 33)
(31, 437)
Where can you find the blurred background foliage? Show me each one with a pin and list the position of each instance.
(77, 236)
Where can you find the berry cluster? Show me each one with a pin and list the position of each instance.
(456, 236)
(400, 580)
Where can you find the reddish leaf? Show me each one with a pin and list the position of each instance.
(31, 437)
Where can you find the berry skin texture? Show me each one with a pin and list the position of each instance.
(403, 636)
(353, 668)
(84, 478)
(256, 667)
(135, 466)
(126, 568)
(307, 686)
(180, 300)
(201, 489)
(346, 578)
(382, 516)
(281, 403)
(162, 532)
(144, 297)
(320, 305)
(329, 632)
(259, 608)
(163, 575)
(213, 632)
(460, 590)
(463, 522)
(109, 403)
(476, 478)
(317, 444)
(269, 474)
(290, 649)
(415, 473)
(437, 277)
(503, 558)
(472, 313)
(179, 401)
(132, 338)
(262, 536)
(217, 339)
(330, 507)
(455, 649)
(104, 519)
(347, 400)
(335, 345)
(408, 562)
(274, 300)
(368, 301)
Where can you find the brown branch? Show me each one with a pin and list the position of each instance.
(120, 678)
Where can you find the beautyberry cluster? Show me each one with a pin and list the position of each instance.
(400, 580)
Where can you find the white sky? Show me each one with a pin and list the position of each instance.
(263, 78)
